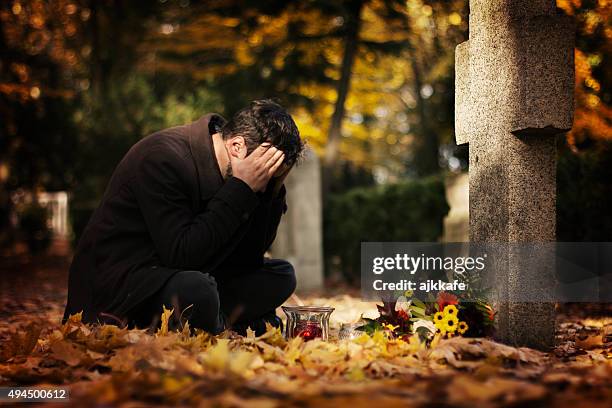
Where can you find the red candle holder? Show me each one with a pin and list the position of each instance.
(308, 322)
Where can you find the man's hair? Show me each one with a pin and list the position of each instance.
(266, 121)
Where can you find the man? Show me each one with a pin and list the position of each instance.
(185, 221)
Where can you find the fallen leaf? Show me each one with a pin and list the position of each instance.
(21, 342)
(165, 319)
(69, 353)
(589, 342)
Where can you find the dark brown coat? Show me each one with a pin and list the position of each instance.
(167, 208)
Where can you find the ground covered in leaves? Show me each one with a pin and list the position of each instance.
(107, 365)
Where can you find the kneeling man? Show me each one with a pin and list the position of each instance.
(185, 221)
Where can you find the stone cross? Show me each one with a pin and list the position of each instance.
(299, 238)
(513, 94)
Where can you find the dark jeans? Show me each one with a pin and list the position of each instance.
(214, 302)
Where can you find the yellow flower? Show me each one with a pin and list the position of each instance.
(390, 327)
(450, 335)
(408, 293)
(462, 327)
(439, 320)
(450, 310)
(450, 323)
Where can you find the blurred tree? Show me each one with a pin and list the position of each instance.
(352, 22)
(374, 62)
(73, 98)
(593, 115)
(121, 100)
(39, 49)
(368, 81)
(583, 172)
(584, 194)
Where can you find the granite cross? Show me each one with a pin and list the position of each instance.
(513, 94)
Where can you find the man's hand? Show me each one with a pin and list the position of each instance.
(277, 180)
(258, 167)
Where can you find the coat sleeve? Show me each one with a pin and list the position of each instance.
(184, 239)
(265, 221)
(278, 206)
(261, 231)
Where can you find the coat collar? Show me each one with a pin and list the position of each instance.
(200, 143)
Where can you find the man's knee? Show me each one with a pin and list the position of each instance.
(291, 279)
(196, 296)
(284, 273)
(193, 287)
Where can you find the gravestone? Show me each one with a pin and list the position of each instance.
(513, 94)
(456, 222)
(300, 235)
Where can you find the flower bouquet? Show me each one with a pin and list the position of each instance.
(447, 315)
(456, 316)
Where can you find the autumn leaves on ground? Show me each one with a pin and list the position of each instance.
(106, 365)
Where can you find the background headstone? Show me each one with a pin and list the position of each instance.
(456, 222)
(300, 237)
(514, 92)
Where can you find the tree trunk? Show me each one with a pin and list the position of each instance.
(5, 112)
(427, 148)
(426, 151)
(351, 44)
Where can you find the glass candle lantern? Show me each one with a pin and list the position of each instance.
(308, 322)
